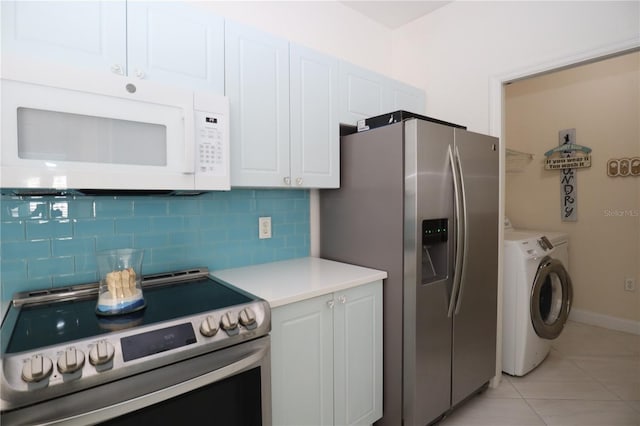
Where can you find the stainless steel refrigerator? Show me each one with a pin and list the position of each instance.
(419, 200)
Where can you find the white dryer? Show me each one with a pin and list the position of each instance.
(537, 296)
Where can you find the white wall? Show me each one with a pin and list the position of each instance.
(454, 52)
(326, 26)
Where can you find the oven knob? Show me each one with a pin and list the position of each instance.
(37, 368)
(228, 323)
(248, 318)
(101, 353)
(70, 361)
(209, 326)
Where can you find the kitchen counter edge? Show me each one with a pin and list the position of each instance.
(289, 281)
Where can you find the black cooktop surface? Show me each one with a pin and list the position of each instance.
(39, 326)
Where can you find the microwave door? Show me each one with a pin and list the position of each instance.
(60, 138)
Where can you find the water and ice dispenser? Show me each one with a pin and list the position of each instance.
(435, 250)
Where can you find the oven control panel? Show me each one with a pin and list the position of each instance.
(85, 363)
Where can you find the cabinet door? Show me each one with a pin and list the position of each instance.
(176, 44)
(358, 355)
(88, 34)
(407, 98)
(257, 84)
(302, 363)
(315, 130)
(363, 94)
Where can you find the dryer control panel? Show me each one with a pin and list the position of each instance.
(534, 248)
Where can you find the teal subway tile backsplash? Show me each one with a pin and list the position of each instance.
(90, 227)
(130, 225)
(111, 242)
(39, 229)
(78, 246)
(35, 249)
(13, 231)
(52, 241)
(50, 266)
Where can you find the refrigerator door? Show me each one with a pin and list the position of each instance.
(428, 274)
(475, 318)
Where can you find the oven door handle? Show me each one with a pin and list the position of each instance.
(173, 391)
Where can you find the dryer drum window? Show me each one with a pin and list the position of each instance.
(551, 298)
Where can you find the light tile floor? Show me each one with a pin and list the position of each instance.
(591, 377)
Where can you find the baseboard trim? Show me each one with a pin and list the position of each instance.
(606, 321)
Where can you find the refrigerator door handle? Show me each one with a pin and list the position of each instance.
(459, 235)
(465, 244)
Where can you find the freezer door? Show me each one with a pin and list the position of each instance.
(474, 323)
(427, 283)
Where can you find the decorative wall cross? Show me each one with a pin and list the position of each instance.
(568, 161)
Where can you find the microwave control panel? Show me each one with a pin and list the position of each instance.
(210, 144)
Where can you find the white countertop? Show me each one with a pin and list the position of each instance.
(289, 281)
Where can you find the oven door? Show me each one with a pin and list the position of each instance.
(230, 387)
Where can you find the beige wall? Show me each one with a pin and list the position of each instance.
(602, 102)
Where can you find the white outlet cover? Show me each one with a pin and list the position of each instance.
(264, 227)
(630, 284)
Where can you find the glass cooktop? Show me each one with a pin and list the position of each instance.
(54, 323)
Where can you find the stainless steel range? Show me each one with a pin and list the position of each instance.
(199, 347)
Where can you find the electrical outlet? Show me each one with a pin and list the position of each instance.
(264, 227)
(629, 284)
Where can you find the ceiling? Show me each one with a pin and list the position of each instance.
(394, 14)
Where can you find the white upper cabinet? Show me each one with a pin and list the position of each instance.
(365, 94)
(81, 33)
(257, 84)
(408, 98)
(315, 129)
(284, 108)
(176, 44)
(165, 42)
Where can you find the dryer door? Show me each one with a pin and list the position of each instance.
(551, 298)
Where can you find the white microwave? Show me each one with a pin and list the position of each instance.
(69, 129)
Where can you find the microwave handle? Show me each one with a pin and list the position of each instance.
(189, 144)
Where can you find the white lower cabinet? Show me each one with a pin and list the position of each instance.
(326, 357)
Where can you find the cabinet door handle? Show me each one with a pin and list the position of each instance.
(330, 303)
(139, 73)
(287, 180)
(299, 181)
(117, 69)
(342, 299)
